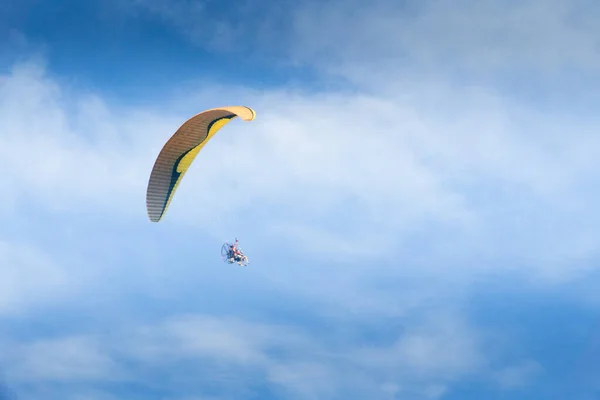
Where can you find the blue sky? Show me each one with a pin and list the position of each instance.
(417, 197)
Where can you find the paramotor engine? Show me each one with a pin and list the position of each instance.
(229, 257)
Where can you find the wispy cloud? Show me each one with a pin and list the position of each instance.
(518, 375)
(370, 215)
(235, 351)
(28, 277)
(241, 28)
(64, 359)
(486, 37)
(382, 175)
(373, 41)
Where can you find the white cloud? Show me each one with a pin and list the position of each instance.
(65, 359)
(375, 42)
(355, 174)
(518, 375)
(29, 277)
(438, 349)
(296, 363)
(208, 25)
(426, 179)
(61, 152)
(229, 339)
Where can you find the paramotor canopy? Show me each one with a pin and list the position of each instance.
(180, 150)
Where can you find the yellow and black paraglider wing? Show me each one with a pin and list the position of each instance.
(180, 150)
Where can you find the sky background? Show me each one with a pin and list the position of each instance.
(417, 195)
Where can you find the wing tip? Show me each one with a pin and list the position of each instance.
(155, 218)
(253, 116)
